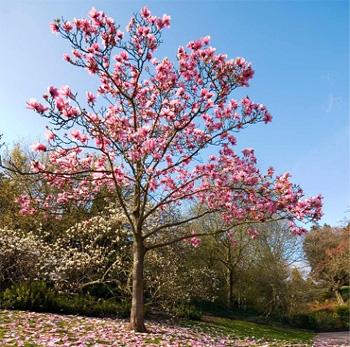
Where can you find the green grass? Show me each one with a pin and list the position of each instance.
(242, 329)
(153, 341)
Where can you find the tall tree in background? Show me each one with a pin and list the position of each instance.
(228, 251)
(146, 130)
(327, 250)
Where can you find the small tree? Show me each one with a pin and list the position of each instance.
(155, 120)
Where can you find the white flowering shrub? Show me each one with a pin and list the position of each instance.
(96, 255)
(23, 256)
(95, 251)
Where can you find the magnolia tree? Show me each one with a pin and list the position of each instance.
(159, 134)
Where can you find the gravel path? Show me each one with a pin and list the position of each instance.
(332, 339)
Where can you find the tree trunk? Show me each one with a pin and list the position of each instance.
(339, 297)
(229, 288)
(137, 322)
(229, 278)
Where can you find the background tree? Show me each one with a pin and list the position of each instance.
(18, 189)
(327, 251)
(226, 254)
(155, 121)
(301, 292)
(264, 272)
(12, 186)
(180, 275)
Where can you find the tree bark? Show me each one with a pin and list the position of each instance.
(229, 278)
(230, 288)
(137, 320)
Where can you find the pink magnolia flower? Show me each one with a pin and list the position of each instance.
(195, 242)
(248, 152)
(149, 145)
(67, 57)
(145, 12)
(67, 26)
(253, 233)
(79, 136)
(37, 166)
(91, 65)
(163, 22)
(53, 91)
(50, 135)
(91, 98)
(54, 27)
(66, 91)
(39, 147)
(232, 139)
(270, 171)
(267, 117)
(93, 13)
(36, 106)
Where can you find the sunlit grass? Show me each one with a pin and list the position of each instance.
(243, 329)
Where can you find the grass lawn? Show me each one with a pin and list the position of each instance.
(30, 329)
(279, 336)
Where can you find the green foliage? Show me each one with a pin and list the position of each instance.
(187, 311)
(327, 320)
(90, 306)
(344, 312)
(29, 296)
(37, 296)
(345, 292)
(323, 320)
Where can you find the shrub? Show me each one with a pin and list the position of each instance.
(90, 306)
(22, 257)
(343, 312)
(187, 311)
(37, 296)
(328, 319)
(89, 251)
(29, 296)
(302, 320)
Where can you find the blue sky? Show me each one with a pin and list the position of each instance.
(299, 50)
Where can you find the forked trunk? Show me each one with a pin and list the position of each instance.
(339, 297)
(137, 320)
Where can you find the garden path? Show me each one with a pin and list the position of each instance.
(333, 339)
